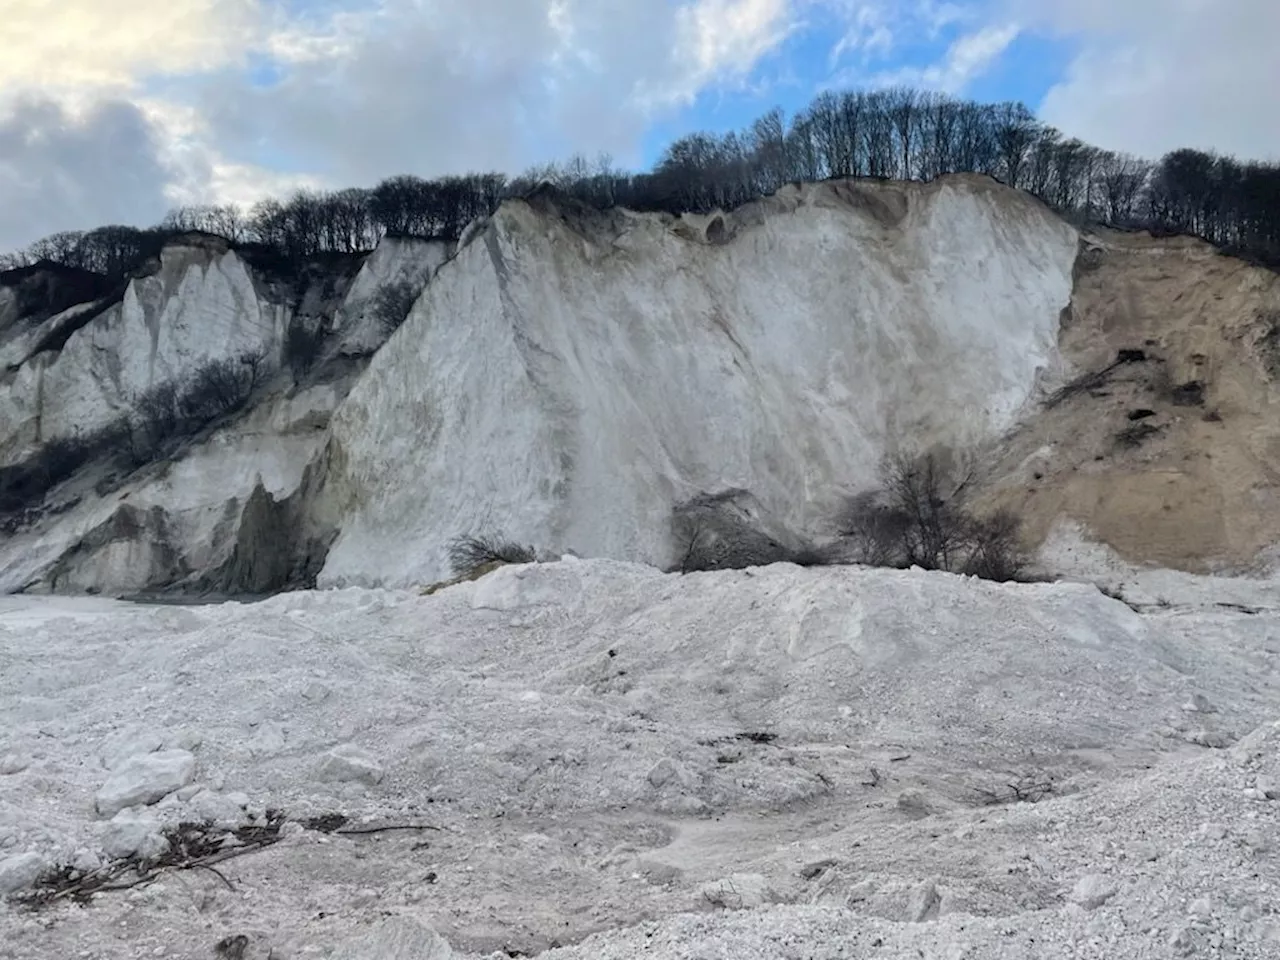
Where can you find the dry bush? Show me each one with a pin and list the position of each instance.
(392, 304)
(467, 554)
(919, 516)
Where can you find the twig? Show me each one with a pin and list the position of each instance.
(215, 871)
(357, 831)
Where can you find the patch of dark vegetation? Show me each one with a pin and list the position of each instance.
(161, 419)
(1135, 436)
(164, 415)
(189, 845)
(1190, 394)
(1233, 204)
(55, 339)
(1083, 384)
(468, 554)
(1135, 415)
(303, 346)
(47, 288)
(728, 530)
(1093, 382)
(1115, 594)
(1028, 788)
(919, 517)
(1268, 342)
(25, 484)
(392, 304)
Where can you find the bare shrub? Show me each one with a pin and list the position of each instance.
(219, 388)
(303, 344)
(469, 553)
(25, 485)
(729, 530)
(920, 517)
(164, 413)
(392, 303)
(874, 530)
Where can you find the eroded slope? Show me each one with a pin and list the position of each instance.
(1171, 459)
(570, 376)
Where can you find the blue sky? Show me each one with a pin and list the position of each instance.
(115, 112)
(1026, 71)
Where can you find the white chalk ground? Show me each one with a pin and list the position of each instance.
(573, 730)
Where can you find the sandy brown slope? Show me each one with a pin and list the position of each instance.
(1172, 458)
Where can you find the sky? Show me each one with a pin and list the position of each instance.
(116, 112)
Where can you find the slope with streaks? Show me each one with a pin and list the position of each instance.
(570, 375)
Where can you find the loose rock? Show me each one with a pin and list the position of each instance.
(20, 871)
(144, 780)
(349, 764)
(1092, 891)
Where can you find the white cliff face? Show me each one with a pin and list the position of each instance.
(201, 306)
(173, 521)
(406, 263)
(567, 378)
(182, 521)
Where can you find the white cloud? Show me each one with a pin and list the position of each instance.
(362, 89)
(431, 87)
(1154, 75)
(730, 36)
(967, 58)
(55, 44)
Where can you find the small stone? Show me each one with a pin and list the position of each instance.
(1092, 891)
(1201, 908)
(811, 871)
(11, 763)
(364, 898)
(349, 764)
(1214, 739)
(20, 871)
(1198, 704)
(924, 903)
(1214, 831)
(267, 740)
(914, 804)
(315, 692)
(127, 834)
(189, 791)
(129, 744)
(144, 780)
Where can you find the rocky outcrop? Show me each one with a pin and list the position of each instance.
(604, 383)
(218, 506)
(571, 376)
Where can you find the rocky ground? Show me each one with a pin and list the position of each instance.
(590, 759)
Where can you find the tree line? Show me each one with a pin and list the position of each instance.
(895, 133)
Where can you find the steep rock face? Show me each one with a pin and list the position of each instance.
(569, 377)
(1173, 458)
(200, 306)
(388, 283)
(178, 523)
(227, 510)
